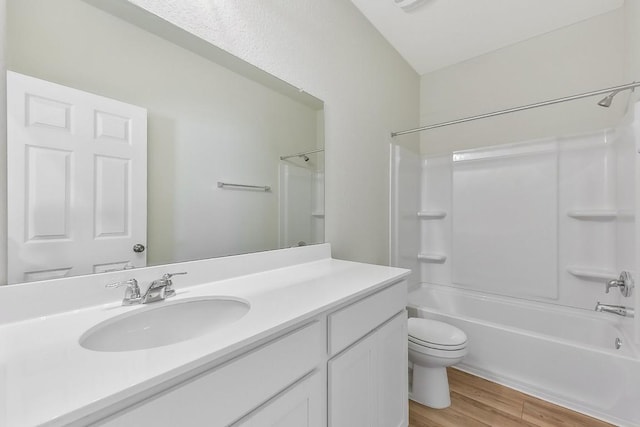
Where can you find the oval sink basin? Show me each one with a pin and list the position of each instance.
(164, 323)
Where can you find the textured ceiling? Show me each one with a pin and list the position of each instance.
(439, 33)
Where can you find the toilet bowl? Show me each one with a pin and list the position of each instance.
(433, 346)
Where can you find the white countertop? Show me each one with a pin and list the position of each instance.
(46, 377)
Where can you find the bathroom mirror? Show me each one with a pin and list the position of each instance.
(211, 119)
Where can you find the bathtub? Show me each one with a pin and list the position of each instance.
(562, 355)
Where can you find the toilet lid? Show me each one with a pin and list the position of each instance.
(442, 351)
(433, 332)
(420, 345)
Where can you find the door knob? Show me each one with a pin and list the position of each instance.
(138, 248)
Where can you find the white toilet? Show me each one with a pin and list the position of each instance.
(433, 346)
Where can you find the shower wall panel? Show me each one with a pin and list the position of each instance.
(296, 205)
(317, 207)
(505, 222)
(404, 241)
(549, 220)
(588, 216)
(435, 220)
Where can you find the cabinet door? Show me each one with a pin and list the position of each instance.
(352, 387)
(300, 406)
(368, 382)
(392, 401)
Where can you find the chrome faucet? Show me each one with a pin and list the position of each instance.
(160, 289)
(132, 294)
(620, 310)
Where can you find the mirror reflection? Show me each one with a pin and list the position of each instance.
(164, 127)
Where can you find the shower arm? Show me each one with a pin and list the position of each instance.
(521, 108)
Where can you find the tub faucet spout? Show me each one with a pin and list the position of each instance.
(620, 310)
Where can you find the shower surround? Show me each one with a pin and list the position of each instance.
(503, 239)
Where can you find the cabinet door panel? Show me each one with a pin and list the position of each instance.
(368, 381)
(392, 357)
(352, 386)
(300, 406)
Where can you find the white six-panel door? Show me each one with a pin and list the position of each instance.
(76, 181)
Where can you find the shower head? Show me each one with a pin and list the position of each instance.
(606, 101)
(306, 159)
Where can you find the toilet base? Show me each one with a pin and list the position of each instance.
(431, 387)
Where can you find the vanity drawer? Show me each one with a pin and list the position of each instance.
(224, 394)
(354, 321)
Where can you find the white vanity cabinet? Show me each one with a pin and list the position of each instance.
(367, 381)
(343, 368)
(324, 343)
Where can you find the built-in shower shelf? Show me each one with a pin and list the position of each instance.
(594, 214)
(317, 214)
(591, 273)
(432, 257)
(432, 214)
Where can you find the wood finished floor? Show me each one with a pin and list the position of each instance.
(478, 402)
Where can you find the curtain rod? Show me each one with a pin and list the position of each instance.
(304, 153)
(522, 108)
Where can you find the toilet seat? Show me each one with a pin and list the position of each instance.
(444, 347)
(435, 335)
(438, 353)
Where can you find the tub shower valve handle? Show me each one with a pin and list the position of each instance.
(624, 283)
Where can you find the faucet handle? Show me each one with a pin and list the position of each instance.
(169, 291)
(132, 294)
(168, 276)
(131, 284)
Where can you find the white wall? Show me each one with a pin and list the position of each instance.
(205, 124)
(632, 38)
(3, 147)
(330, 50)
(586, 56)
